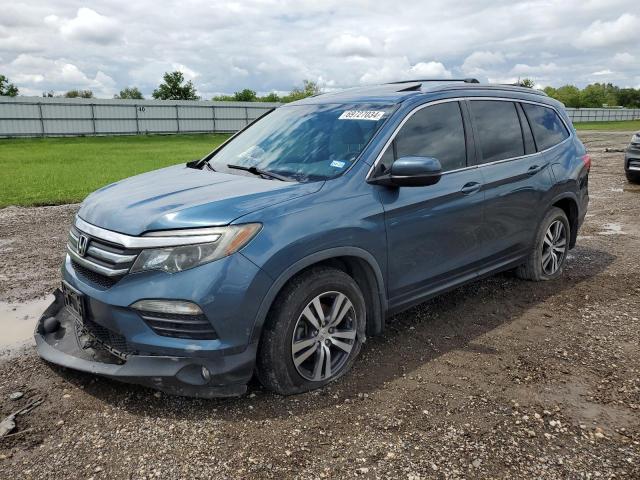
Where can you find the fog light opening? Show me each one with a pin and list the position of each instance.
(206, 374)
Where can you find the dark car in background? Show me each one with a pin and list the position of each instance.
(632, 159)
(280, 252)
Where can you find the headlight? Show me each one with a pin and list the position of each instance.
(635, 138)
(225, 241)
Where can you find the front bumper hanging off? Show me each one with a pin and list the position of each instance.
(61, 340)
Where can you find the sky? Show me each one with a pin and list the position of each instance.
(272, 45)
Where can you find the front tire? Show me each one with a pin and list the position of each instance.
(550, 249)
(633, 177)
(313, 332)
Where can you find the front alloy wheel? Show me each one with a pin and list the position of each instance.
(313, 332)
(323, 336)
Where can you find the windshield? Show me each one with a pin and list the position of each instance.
(303, 143)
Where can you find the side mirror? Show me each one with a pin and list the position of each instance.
(411, 172)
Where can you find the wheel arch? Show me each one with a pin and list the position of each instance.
(568, 203)
(358, 263)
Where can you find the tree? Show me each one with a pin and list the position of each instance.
(272, 97)
(569, 95)
(629, 97)
(245, 95)
(593, 96)
(174, 89)
(224, 98)
(6, 88)
(596, 95)
(309, 88)
(49, 94)
(527, 82)
(75, 93)
(132, 93)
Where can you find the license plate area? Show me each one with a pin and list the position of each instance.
(74, 301)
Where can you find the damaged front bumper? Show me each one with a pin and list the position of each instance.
(64, 341)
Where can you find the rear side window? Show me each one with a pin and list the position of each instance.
(498, 127)
(548, 129)
(436, 131)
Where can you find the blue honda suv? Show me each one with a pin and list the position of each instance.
(281, 251)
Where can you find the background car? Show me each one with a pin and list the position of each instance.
(632, 159)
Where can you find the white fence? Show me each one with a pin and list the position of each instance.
(603, 114)
(50, 117)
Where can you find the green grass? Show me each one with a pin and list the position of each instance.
(53, 171)
(621, 126)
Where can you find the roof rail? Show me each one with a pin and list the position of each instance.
(465, 80)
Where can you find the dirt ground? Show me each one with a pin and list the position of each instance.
(499, 379)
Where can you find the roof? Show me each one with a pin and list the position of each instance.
(397, 92)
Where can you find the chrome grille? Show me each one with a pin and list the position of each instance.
(100, 261)
(195, 327)
(634, 164)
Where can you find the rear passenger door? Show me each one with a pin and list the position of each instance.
(432, 231)
(516, 179)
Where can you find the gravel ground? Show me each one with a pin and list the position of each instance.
(501, 379)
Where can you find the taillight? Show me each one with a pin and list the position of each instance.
(586, 159)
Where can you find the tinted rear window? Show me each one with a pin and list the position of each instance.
(499, 130)
(548, 129)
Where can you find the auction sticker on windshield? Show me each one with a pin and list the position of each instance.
(361, 115)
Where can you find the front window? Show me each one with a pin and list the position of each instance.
(435, 131)
(303, 142)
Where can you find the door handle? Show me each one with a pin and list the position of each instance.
(471, 187)
(534, 169)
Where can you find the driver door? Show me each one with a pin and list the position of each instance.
(432, 231)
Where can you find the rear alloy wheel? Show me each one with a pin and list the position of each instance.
(554, 248)
(313, 332)
(549, 252)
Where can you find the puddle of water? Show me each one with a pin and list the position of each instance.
(18, 321)
(612, 229)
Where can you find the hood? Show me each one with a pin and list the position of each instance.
(181, 197)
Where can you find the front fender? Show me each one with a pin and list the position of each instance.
(313, 259)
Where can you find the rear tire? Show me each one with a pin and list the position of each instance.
(549, 250)
(313, 332)
(633, 177)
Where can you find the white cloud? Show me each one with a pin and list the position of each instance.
(477, 62)
(394, 69)
(272, 45)
(604, 34)
(54, 74)
(351, 45)
(601, 73)
(535, 70)
(186, 71)
(624, 59)
(88, 25)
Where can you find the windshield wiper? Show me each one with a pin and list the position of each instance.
(259, 172)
